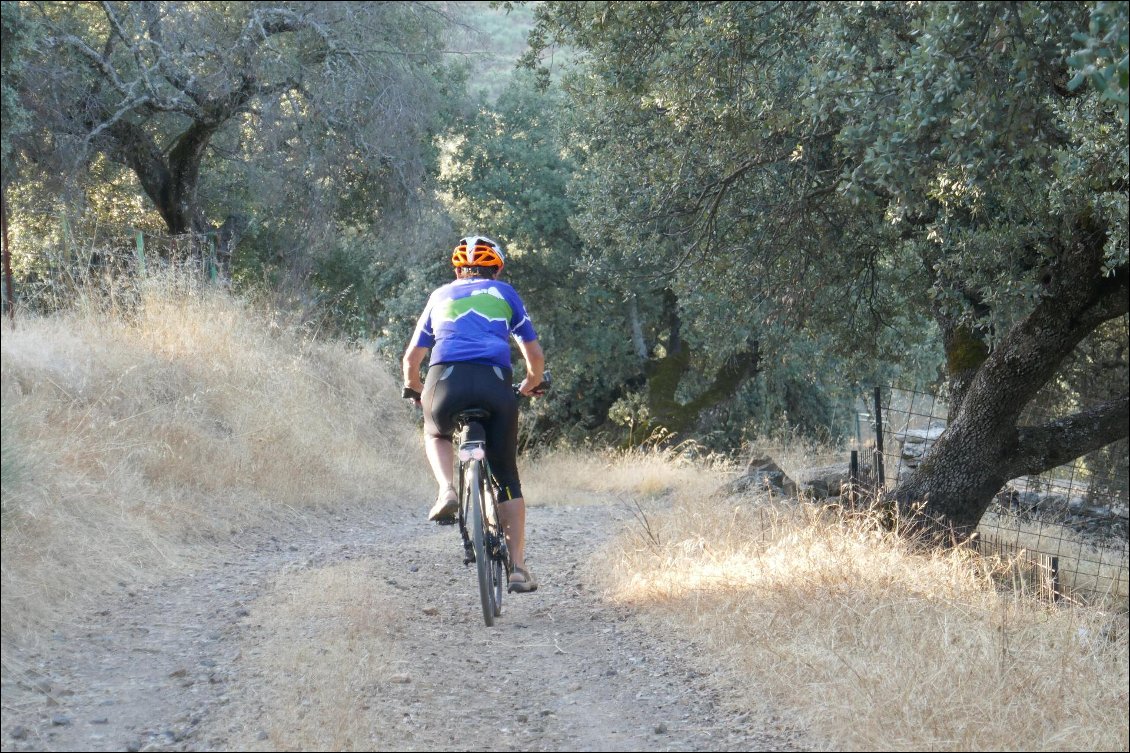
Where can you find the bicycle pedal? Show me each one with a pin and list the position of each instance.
(446, 521)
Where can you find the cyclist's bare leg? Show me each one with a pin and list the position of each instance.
(441, 457)
(513, 514)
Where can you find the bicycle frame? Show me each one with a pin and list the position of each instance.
(484, 541)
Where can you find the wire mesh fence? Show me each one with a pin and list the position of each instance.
(1069, 523)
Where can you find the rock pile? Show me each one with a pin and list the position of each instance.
(914, 444)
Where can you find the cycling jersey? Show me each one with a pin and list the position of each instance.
(471, 321)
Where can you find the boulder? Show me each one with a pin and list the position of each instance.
(762, 474)
(824, 481)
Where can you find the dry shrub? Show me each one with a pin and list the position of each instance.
(871, 645)
(144, 431)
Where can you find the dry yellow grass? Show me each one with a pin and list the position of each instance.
(577, 477)
(871, 646)
(140, 434)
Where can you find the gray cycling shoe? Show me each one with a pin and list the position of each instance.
(522, 581)
(447, 504)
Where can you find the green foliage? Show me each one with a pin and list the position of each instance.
(677, 189)
(852, 170)
(1102, 61)
(292, 122)
(507, 177)
(495, 42)
(826, 187)
(324, 168)
(17, 36)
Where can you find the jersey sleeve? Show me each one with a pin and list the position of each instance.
(521, 328)
(424, 336)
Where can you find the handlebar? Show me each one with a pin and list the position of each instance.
(541, 389)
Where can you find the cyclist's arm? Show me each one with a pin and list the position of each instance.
(535, 365)
(411, 363)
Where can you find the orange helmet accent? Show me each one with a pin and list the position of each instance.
(477, 251)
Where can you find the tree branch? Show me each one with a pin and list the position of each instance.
(270, 21)
(1041, 448)
(1079, 299)
(638, 343)
(729, 377)
(181, 101)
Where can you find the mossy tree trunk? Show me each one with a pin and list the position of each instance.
(984, 446)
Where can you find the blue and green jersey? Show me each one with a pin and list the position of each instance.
(472, 321)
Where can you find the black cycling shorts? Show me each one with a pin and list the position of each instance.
(453, 387)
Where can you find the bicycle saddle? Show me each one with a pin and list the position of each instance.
(472, 414)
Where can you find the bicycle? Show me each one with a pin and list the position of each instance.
(484, 541)
(480, 526)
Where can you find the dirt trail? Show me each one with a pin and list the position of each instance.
(190, 664)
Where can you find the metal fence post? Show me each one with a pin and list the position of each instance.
(1055, 588)
(879, 441)
(140, 237)
(9, 296)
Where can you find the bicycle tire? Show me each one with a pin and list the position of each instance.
(483, 559)
(499, 586)
(498, 544)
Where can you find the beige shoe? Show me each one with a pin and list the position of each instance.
(522, 581)
(447, 504)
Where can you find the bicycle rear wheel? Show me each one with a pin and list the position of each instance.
(496, 537)
(483, 560)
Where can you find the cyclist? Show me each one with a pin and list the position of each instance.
(467, 325)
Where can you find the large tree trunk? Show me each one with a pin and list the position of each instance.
(950, 491)
(169, 182)
(983, 446)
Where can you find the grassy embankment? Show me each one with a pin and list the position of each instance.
(134, 444)
(137, 438)
(853, 635)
